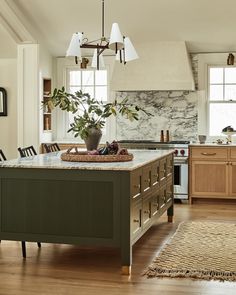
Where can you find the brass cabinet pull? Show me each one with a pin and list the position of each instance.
(137, 186)
(147, 212)
(156, 204)
(208, 154)
(155, 175)
(136, 220)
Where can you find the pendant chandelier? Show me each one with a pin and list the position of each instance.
(121, 45)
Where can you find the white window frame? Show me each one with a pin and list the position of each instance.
(215, 101)
(60, 120)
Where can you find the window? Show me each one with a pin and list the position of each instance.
(89, 81)
(221, 98)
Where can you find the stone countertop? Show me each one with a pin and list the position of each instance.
(210, 144)
(53, 161)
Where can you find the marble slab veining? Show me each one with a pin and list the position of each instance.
(175, 111)
(53, 161)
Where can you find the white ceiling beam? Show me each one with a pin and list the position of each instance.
(12, 23)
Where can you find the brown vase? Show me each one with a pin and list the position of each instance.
(93, 139)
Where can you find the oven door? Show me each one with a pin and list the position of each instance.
(181, 178)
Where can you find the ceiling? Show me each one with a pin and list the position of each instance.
(206, 26)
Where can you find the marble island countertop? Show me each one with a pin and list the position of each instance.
(53, 161)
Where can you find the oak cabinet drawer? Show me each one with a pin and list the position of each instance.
(146, 178)
(209, 153)
(135, 184)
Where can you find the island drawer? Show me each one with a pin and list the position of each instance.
(163, 171)
(147, 214)
(136, 219)
(135, 184)
(209, 153)
(146, 178)
(155, 173)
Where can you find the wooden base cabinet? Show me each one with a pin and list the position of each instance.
(212, 172)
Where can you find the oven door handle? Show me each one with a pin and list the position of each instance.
(180, 161)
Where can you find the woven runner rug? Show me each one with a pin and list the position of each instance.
(200, 250)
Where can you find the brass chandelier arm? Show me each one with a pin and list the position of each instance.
(95, 46)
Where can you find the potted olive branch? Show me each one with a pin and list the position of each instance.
(90, 114)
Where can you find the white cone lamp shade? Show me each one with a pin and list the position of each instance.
(130, 52)
(116, 39)
(94, 60)
(74, 47)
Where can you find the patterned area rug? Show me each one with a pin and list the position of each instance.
(200, 250)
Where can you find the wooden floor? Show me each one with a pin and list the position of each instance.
(65, 269)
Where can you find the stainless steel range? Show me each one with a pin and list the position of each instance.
(180, 161)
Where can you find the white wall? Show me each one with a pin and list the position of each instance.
(8, 125)
(45, 71)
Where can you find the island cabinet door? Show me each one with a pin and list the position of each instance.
(135, 184)
(162, 171)
(209, 178)
(146, 178)
(155, 204)
(155, 174)
(232, 179)
(147, 211)
(169, 191)
(162, 197)
(136, 219)
(169, 166)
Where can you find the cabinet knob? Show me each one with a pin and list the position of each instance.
(137, 186)
(155, 205)
(147, 180)
(136, 220)
(155, 175)
(147, 212)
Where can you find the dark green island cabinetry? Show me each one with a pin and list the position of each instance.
(45, 199)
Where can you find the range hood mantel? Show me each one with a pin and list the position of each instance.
(161, 66)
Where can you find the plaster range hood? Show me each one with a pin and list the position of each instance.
(161, 66)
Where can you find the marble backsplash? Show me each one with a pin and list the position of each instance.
(175, 111)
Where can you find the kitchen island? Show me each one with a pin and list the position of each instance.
(43, 198)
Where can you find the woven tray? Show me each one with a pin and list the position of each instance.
(79, 156)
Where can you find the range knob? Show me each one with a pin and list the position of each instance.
(182, 152)
(176, 152)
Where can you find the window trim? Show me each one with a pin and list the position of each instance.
(59, 130)
(214, 137)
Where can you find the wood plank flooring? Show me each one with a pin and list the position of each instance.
(65, 269)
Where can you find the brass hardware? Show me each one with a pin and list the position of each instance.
(136, 220)
(156, 205)
(147, 212)
(137, 186)
(155, 175)
(208, 154)
(147, 180)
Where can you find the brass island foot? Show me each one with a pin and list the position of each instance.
(170, 218)
(126, 270)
